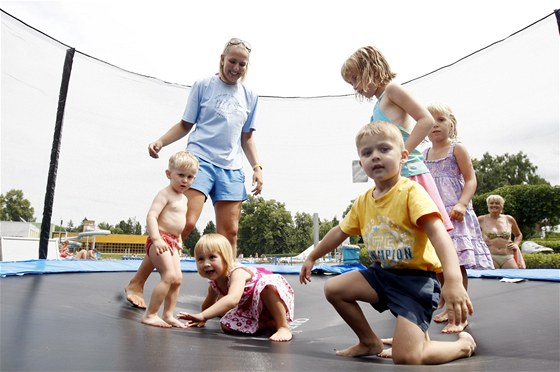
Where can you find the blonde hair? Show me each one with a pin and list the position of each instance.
(183, 160)
(215, 243)
(443, 109)
(235, 42)
(367, 66)
(495, 198)
(381, 128)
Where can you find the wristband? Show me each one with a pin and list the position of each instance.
(257, 166)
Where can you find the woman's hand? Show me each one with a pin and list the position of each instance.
(153, 149)
(512, 246)
(257, 180)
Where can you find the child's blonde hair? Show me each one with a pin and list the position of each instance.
(367, 66)
(443, 109)
(215, 243)
(381, 128)
(183, 160)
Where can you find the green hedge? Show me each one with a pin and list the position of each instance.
(542, 260)
(532, 260)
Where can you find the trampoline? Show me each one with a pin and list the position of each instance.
(80, 321)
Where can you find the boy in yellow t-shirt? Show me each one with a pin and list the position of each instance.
(397, 220)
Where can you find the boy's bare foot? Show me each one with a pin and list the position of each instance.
(386, 353)
(283, 334)
(441, 317)
(452, 328)
(360, 349)
(469, 344)
(174, 322)
(135, 296)
(155, 321)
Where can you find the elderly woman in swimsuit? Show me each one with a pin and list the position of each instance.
(497, 229)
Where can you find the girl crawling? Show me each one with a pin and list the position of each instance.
(249, 299)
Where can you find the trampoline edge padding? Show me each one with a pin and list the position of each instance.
(34, 267)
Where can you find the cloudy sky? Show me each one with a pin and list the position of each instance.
(298, 48)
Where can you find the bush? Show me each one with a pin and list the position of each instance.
(365, 258)
(532, 260)
(542, 260)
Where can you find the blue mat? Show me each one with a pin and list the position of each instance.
(33, 267)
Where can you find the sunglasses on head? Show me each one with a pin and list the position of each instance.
(236, 41)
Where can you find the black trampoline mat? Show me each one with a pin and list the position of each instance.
(81, 322)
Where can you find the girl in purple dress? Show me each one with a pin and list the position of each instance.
(248, 299)
(450, 165)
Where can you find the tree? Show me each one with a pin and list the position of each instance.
(502, 170)
(302, 234)
(70, 226)
(130, 227)
(105, 226)
(14, 207)
(210, 228)
(190, 241)
(325, 226)
(264, 227)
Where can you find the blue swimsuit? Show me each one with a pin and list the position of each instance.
(415, 163)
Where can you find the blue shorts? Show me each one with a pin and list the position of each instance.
(413, 294)
(220, 184)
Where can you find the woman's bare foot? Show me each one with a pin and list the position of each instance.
(441, 317)
(283, 334)
(135, 296)
(360, 349)
(452, 328)
(174, 322)
(155, 321)
(387, 341)
(469, 344)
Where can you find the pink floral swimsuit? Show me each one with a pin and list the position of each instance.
(245, 316)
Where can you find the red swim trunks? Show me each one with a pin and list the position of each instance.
(171, 240)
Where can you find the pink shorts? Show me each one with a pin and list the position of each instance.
(171, 240)
(428, 183)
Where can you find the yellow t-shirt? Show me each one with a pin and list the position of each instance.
(389, 227)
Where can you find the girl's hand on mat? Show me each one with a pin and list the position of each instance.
(193, 320)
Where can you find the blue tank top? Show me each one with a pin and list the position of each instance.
(414, 164)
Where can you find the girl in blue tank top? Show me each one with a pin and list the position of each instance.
(369, 73)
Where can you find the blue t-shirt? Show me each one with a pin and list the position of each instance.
(220, 112)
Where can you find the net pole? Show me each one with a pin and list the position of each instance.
(55, 150)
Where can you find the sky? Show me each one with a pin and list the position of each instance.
(297, 50)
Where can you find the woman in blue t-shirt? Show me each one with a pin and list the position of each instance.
(220, 119)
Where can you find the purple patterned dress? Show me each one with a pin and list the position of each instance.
(466, 235)
(245, 316)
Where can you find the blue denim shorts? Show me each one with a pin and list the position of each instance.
(413, 294)
(220, 184)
